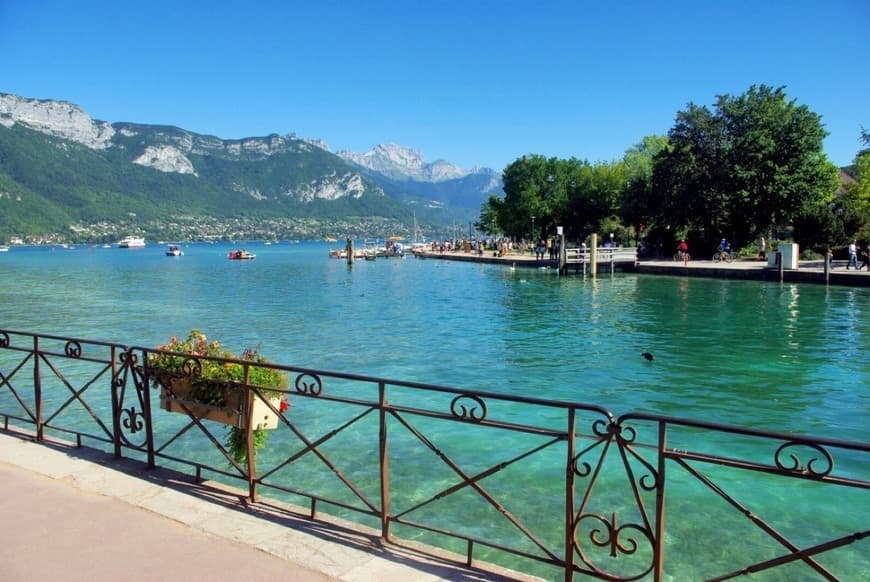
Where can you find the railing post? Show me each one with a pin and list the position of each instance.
(569, 496)
(384, 462)
(37, 389)
(116, 405)
(593, 256)
(249, 436)
(659, 555)
(146, 405)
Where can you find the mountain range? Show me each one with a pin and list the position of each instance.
(66, 177)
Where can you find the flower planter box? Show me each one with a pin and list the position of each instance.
(233, 412)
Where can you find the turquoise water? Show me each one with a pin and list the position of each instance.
(774, 356)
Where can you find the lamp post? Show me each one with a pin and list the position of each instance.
(532, 236)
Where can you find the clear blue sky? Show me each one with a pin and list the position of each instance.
(473, 82)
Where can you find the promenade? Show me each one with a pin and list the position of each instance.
(807, 271)
(76, 514)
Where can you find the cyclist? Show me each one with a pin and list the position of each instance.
(683, 251)
(723, 252)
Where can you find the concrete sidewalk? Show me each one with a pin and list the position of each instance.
(76, 514)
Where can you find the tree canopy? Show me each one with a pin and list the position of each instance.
(753, 163)
(750, 164)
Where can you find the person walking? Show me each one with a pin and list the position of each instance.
(865, 256)
(853, 255)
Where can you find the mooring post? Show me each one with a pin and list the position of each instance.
(349, 250)
(828, 256)
(593, 256)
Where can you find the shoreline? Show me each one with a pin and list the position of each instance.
(807, 271)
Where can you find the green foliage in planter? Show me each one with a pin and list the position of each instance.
(216, 368)
(237, 444)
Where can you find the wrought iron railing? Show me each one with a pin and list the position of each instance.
(552, 488)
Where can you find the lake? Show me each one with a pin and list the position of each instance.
(782, 357)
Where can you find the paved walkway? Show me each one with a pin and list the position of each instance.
(71, 515)
(807, 271)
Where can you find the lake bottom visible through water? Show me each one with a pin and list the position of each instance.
(781, 357)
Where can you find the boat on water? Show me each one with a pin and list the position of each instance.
(372, 250)
(240, 255)
(342, 253)
(4, 249)
(174, 251)
(131, 242)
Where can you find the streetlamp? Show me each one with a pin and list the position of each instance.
(532, 236)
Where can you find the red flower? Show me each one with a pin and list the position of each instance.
(284, 407)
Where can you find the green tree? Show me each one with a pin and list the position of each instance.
(595, 195)
(536, 195)
(754, 162)
(776, 168)
(855, 200)
(638, 164)
(489, 214)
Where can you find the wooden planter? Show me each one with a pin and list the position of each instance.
(233, 413)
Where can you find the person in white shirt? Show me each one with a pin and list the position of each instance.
(853, 255)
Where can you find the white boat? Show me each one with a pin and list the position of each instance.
(372, 250)
(174, 251)
(131, 242)
(241, 255)
(4, 249)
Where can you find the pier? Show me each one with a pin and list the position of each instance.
(578, 261)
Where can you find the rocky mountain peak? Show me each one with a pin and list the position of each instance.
(57, 118)
(403, 163)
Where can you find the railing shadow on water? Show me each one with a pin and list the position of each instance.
(554, 489)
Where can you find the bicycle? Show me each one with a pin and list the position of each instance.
(682, 256)
(723, 256)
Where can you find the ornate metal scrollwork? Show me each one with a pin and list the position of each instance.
(476, 411)
(581, 469)
(795, 466)
(618, 538)
(4, 339)
(73, 349)
(132, 420)
(313, 387)
(128, 358)
(191, 367)
(611, 428)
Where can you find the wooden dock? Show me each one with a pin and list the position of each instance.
(586, 261)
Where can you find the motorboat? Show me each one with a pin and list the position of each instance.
(174, 251)
(4, 249)
(372, 250)
(131, 242)
(240, 255)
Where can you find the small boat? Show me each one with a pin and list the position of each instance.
(174, 251)
(4, 249)
(131, 242)
(240, 255)
(371, 250)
